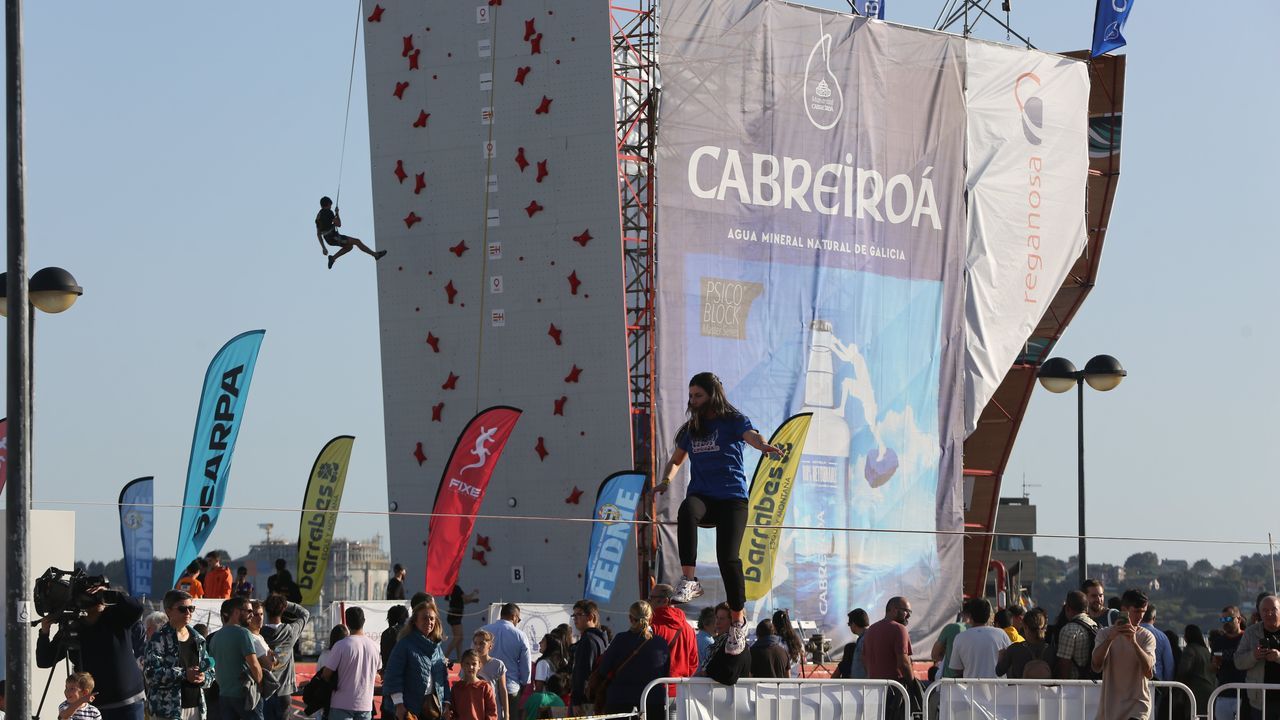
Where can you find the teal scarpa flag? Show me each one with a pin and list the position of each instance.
(226, 389)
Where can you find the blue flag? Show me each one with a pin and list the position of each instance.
(872, 8)
(1108, 25)
(226, 389)
(137, 526)
(617, 500)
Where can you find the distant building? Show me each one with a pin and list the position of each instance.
(1015, 541)
(358, 569)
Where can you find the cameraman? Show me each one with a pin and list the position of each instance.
(104, 651)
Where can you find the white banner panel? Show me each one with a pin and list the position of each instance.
(1028, 162)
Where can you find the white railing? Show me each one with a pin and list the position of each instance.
(777, 698)
(1224, 703)
(1003, 699)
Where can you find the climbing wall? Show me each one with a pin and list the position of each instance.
(495, 193)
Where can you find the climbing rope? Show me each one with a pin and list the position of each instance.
(484, 216)
(346, 119)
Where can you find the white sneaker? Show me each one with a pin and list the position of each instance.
(737, 641)
(687, 590)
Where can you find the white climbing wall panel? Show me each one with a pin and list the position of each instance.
(495, 195)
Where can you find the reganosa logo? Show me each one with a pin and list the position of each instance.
(1032, 108)
(823, 99)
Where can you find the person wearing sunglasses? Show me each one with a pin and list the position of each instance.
(176, 665)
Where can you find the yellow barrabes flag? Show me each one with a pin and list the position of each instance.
(767, 505)
(320, 515)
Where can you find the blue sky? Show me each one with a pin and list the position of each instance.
(175, 154)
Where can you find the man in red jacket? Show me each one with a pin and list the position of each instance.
(671, 625)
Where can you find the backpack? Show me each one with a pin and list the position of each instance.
(1039, 666)
(1080, 672)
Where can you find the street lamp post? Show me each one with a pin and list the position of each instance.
(1059, 375)
(50, 290)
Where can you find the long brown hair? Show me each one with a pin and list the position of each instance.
(717, 404)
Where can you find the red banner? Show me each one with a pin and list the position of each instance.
(461, 491)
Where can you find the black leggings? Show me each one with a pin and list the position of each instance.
(729, 516)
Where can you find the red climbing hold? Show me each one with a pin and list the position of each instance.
(418, 455)
(520, 160)
(460, 248)
(400, 173)
(434, 342)
(411, 219)
(419, 183)
(584, 238)
(400, 88)
(478, 556)
(483, 541)
(533, 208)
(574, 496)
(542, 170)
(522, 73)
(560, 405)
(451, 291)
(541, 449)
(494, 2)
(544, 107)
(435, 412)
(451, 383)
(554, 332)
(413, 59)
(376, 15)
(422, 119)
(574, 282)
(408, 46)
(529, 29)
(535, 45)
(573, 375)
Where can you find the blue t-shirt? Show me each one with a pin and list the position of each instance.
(715, 460)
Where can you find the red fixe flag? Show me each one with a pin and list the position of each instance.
(461, 492)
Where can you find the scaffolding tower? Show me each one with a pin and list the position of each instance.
(635, 78)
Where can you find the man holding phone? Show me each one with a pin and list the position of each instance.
(1125, 654)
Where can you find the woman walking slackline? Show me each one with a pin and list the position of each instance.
(712, 439)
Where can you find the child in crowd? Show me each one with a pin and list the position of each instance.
(473, 697)
(79, 693)
(548, 697)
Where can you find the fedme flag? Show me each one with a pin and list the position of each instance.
(615, 509)
(767, 505)
(1108, 25)
(137, 530)
(461, 492)
(222, 403)
(320, 515)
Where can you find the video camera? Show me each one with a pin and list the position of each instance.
(63, 595)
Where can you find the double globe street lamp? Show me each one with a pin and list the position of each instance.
(1059, 375)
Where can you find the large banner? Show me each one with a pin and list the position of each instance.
(222, 402)
(137, 532)
(461, 492)
(767, 504)
(615, 511)
(1028, 164)
(811, 179)
(320, 515)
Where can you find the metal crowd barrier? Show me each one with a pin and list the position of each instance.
(1004, 699)
(1224, 702)
(777, 698)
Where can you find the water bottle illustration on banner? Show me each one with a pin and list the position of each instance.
(821, 491)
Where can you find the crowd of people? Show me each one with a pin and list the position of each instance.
(1116, 642)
